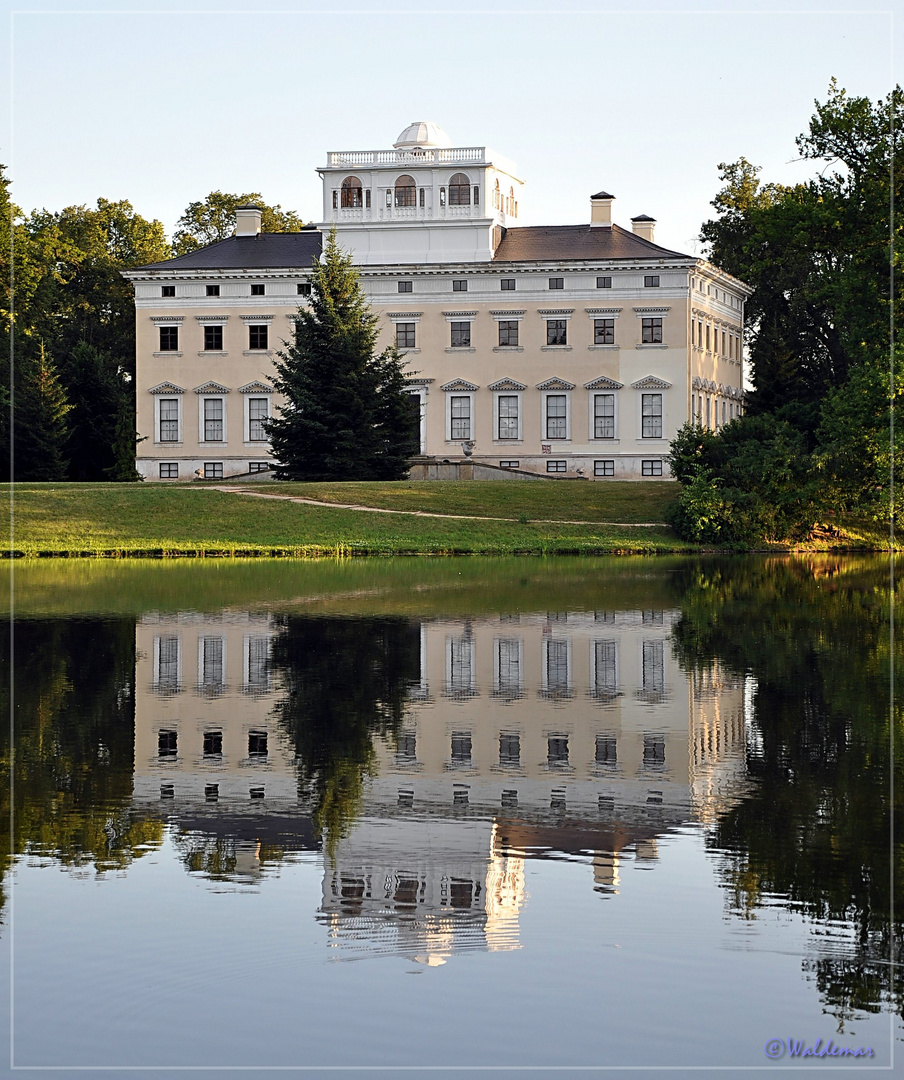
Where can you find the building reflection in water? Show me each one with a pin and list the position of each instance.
(522, 737)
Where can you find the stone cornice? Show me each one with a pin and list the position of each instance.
(211, 388)
(603, 311)
(256, 318)
(651, 310)
(506, 384)
(603, 383)
(166, 318)
(555, 383)
(459, 384)
(166, 388)
(256, 388)
(211, 318)
(555, 311)
(651, 382)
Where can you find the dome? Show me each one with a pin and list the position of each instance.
(422, 133)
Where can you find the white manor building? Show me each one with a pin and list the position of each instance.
(556, 350)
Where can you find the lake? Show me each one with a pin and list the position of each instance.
(391, 815)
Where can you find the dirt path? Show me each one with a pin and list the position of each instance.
(428, 513)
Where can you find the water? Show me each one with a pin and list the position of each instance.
(401, 814)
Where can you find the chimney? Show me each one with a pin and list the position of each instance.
(643, 226)
(601, 210)
(248, 220)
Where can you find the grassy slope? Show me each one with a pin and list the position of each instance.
(122, 519)
(153, 518)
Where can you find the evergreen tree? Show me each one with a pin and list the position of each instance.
(40, 427)
(101, 440)
(347, 415)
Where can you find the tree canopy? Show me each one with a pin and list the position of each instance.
(347, 415)
(823, 258)
(213, 218)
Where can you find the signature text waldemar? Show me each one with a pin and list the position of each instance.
(778, 1048)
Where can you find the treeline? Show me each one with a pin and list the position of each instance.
(67, 351)
(824, 260)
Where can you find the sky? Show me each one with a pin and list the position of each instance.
(160, 103)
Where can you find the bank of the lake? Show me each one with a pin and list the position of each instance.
(315, 520)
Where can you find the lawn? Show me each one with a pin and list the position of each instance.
(155, 519)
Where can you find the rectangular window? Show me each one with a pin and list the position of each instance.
(654, 752)
(459, 286)
(461, 749)
(507, 284)
(604, 416)
(169, 420)
(510, 751)
(605, 668)
(257, 290)
(604, 468)
(508, 332)
(607, 751)
(169, 338)
(257, 744)
(654, 667)
(651, 468)
(167, 676)
(406, 286)
(651, 413)
(556, 331)
(213, 338)
(257, 414)
(213, 290)
(557, 674)
(509, 464)
(258, 674)
(508, 416)
(168, 290)
(651, 331)
(556, 416)
(304, 289)
(211, 792)
(461, 417)
(169, 470)
(604, 331)
(213, 470)
(556, 466)
(422, 197)
(604, 282)
(461, 335)
(212, 662)
(212, 743)
(651, 281)
(166, 743)
(258, 336)
(557, 283)
(213, 419)
(557, 751)
(404, 335)
(258, 466)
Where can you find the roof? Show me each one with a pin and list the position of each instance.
(543, 243)
(266, 251)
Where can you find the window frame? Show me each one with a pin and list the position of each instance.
(167, 290)
(212, 290)
(607, 329)
(651, 330)
(498, 395)
(556, 283)
(203, 419)
(461, 328)
(607, 464)
(168, 465)
(649, 465)
(405, 328)
(158, 419)
(253, 328)
(594, 395)
(170, 331)
(651, 281)
(561, 328)
(545, 395)
(249, 420)
(453, 396)
(211, 328)
(258, 289)
(508, 284)
(652, 394)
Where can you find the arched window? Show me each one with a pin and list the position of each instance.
(405, 191)
(351, 192)
(497, 200)
(459, 190)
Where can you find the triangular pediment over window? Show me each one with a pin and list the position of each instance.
(651, 382)
(459, 384)
(167, 388)
(507, 384)
(256, 388)
(603, 383)
(211, 388)
(555, 384)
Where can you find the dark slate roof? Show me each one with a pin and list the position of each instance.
(266, 251)
(553, 243)
(602, 195)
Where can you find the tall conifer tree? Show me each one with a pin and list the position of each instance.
(347, 415)
(40, 424)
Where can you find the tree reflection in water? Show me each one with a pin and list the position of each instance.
(817, 830)
(346, 681)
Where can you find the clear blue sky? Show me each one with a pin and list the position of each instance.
(160, 103)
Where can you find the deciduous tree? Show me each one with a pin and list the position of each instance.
(208, 220)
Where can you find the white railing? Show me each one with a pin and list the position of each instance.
(426, 156)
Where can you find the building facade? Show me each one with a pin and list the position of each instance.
(556, 350)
